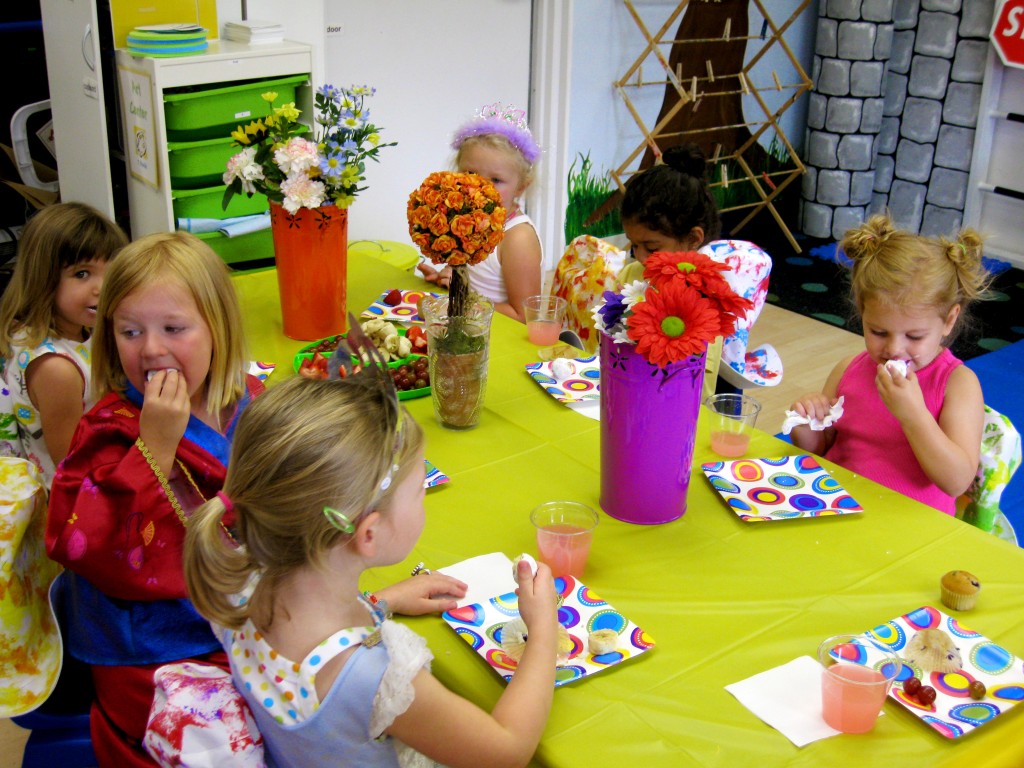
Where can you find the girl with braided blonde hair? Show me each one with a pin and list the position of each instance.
(912, 412)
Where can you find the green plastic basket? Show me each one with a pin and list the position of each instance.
(205, 203)
(197, 164)
(192, 114)
(252, 246)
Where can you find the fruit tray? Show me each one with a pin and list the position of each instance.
(325, 348)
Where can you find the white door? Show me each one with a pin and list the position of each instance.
(77, 102)
(433, 65)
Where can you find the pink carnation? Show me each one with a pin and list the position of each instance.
(297, 156)
(300, 191)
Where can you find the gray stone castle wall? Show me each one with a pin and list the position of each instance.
(890, 123)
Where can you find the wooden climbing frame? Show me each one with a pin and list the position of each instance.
(694, 89)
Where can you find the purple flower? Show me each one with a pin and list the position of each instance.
(613, 309)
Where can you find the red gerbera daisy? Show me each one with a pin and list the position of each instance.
(693, 268)
(703, 273)
(673, 323)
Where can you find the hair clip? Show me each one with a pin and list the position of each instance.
(504, 120)
(339, 520)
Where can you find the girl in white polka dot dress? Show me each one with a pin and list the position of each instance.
(325, 481)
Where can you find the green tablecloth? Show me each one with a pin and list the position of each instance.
(723, 599)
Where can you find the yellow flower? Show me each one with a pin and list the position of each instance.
(269, 96)
(270, 121)
(255, 127)
(344, 201)
(350, 176)
(239, 135)
(288, 111)
(374, 139)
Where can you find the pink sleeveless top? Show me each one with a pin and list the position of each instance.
(869, 439)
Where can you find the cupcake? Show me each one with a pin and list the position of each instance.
(959, 590)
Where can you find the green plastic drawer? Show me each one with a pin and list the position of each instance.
(197, 164)
(251, 247)
(205, 203)
(194, 113)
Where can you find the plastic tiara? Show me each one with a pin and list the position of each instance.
(504, 120)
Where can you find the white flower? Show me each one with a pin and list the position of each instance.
(297, 156)
(243, 167)
(622, 336)
(634, 292)
(300, 191)
(598, 317)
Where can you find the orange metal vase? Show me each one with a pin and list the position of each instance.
(311, 248)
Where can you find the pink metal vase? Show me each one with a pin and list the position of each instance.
(648, 429)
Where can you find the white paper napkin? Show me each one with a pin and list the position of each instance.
(487, 576)
(794, 419)
(788, 698)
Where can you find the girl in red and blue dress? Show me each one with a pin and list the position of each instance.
(169, 371)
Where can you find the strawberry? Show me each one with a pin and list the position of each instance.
(418, 337)
(394, 298)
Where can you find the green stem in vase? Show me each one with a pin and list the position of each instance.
(463, 335)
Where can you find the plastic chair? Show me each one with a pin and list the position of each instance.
(1000, 458)
(19, 137)
(399, 255)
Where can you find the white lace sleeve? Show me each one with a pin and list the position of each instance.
(408, 654)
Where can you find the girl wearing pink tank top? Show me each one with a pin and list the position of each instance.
(918, 432)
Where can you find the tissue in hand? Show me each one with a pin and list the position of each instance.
(896, 366)
(794, 419)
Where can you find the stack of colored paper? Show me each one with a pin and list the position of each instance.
(254, 32)
(162, 40)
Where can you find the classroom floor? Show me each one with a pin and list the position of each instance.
(808, 349)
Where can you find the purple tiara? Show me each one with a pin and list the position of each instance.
(504, 120)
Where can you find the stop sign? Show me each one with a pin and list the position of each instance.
(1008, 33)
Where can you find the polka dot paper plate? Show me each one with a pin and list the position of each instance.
(953, 713)
(783, 488)
(580, 611)
(580, 381)
(404, 312)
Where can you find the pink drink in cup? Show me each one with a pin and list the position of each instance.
(565, 530)
(543, 333)
(732, 419)
(852, 694)
(544, 316)
(729, 444)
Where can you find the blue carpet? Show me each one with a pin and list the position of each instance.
(1001, 373)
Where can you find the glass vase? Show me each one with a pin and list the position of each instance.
(457, 350)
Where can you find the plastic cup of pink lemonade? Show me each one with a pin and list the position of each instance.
(565, 530)
(732, 420)
(544, 317)
(855, 680)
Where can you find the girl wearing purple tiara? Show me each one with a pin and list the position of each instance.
(497, 144)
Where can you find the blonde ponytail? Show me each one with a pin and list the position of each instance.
(216, 568)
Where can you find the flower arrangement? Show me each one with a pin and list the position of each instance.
(279, 161)
(456, 219)
(680, 306)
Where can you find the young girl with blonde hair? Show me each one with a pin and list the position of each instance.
(917, 432)
(497, 145)
(46, 319)
(340, 682)
(169, 369)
